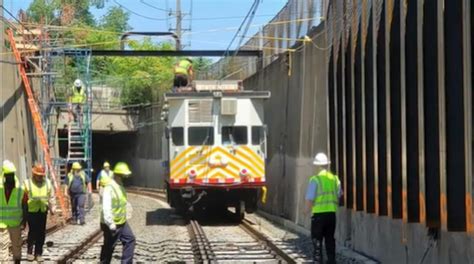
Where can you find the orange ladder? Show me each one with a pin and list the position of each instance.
(36, 115)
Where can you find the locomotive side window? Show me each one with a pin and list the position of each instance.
(258, 135)
(198, 136)
(234, 135)
(177, 134)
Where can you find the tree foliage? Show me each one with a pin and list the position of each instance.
(142, 80)
(59, 11)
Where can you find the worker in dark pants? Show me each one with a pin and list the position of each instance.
(323, 193)
(78, 186)
(183, 74)
(40, 201)
(113, 220)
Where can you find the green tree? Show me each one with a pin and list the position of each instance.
(50, 11)
(143, 80)
(43, 11)
(201, 64)
(116, 19)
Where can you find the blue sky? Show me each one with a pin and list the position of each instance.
(213, 23)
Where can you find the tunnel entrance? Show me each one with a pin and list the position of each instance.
(106, 146)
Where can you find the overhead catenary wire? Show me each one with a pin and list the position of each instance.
(155, 7)
(255, 3)
(138, 14)
(212, 30)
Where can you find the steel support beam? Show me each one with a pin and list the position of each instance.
(432, 85)
(370, 117)
(350, 186)
(455, 125)
(358, 122)
(340, 118)
(383, 198)
(395, 124)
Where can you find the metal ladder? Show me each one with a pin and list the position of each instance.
(76, 143)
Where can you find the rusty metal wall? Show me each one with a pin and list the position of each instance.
(398, 100)
(425, 51)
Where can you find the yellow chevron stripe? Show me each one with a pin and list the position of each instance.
(181, 170)
(178, 158)
(241, 152)
(241, 162)
(254, 155)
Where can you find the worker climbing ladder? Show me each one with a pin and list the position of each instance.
(79, 133)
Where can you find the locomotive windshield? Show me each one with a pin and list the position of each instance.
(234, 135)
(200, 136)
(177, 135)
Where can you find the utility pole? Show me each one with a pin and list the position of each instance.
(179, 18)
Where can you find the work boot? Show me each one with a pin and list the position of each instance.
(318, 251)
(30, 257)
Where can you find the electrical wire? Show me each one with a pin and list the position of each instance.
(240, 27)
(138, 14)
(154, 7)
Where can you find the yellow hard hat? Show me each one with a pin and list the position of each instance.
(122, 169)
(8, 167)
(106, 164)
(76, 166)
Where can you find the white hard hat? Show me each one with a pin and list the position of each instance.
(321, 159)
(78, 83)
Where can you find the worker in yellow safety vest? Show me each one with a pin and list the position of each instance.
(79, 186)
(104, 173)
(183, 74)
(113, 220)
(40, 201)
(76, 99)
(13, 206)
(323, 193)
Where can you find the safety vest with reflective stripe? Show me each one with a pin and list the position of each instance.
(327, 186)
(182, 67)
(104, 174)
(119, 202)
(70, 177)
(78, 97)
(38, 196)
(11, 212)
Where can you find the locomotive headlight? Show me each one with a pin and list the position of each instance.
(192, 173)
(244, 173)
(224, 161)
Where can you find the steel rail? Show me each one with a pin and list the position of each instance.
(246, 225)
(201, 245)
(81, 248)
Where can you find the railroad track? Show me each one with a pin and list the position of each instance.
(75, 252)
(203, 247)
(257, 249)
(204, 250)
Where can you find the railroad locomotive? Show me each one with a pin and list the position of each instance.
(216, 147)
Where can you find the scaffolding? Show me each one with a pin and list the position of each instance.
(51, 68)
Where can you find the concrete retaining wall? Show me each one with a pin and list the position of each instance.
(150, 150)
(17, 140)
(296, 115)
